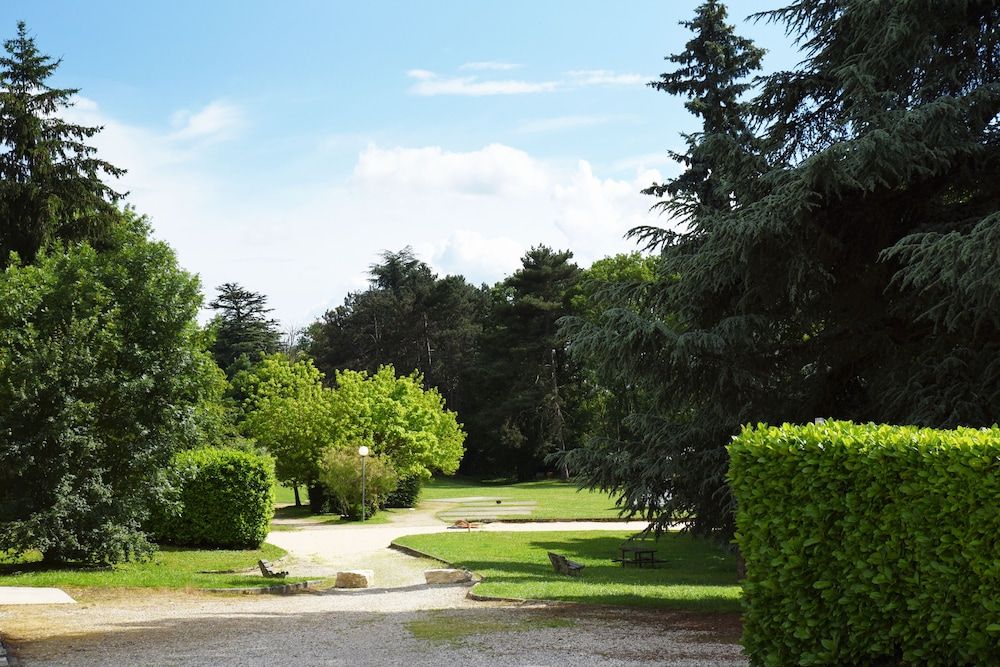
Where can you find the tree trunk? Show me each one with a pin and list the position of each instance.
(298, 501)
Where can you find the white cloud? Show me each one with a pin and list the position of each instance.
(306, 244)
(218, 120)
(427, 83)
(489, 65)
(605, 77)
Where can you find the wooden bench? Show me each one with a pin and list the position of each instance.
(563, 565)
(267, 569)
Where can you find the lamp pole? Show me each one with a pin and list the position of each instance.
(363, 452)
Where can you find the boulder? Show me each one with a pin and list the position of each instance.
(446, 576)
(355, 579)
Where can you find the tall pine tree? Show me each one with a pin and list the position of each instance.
(50, 179)
(243, 331)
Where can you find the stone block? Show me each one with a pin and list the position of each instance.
(447, 576)
(355, 579)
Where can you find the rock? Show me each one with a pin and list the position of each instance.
(355, 579)
(446, 576)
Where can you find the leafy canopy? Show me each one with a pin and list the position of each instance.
(103, 375)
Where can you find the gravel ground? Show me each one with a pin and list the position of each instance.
(438, 627)
(404, 622)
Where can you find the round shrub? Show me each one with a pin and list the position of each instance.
(340, 472)
(407, 492)
(218, 497)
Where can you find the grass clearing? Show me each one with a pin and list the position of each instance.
(170, 567)
(548, 499)
(440, 627)
(697, 577)
(292, 512)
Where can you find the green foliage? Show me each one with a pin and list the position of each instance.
(530, 395)
(838, 255)
(217, 498)
(102, 377)
(408, 318)
(341, 475)
(869, 544)
(286, 409)
(242, 330)
(407, 492)
(51, 185)
(396, 417)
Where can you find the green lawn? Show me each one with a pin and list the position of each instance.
(171, 567)
(292, 512)
(549, 499)
(284, 495)
(697, 577)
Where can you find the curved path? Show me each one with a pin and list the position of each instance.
(405, 622)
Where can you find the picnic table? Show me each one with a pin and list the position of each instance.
(639, 555)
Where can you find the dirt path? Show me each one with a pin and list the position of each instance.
(403, 623)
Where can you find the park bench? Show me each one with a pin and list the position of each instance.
(267, 569)
(563, 565)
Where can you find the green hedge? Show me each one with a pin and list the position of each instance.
(869, 544)
(219, 498)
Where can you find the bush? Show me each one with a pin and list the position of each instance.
(217, 498)
(407, 492)
(869, 544)
(340, 473)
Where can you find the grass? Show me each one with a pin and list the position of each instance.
(292, 512)
(171, 567)
(549, 499)
(284, 495)
(697, 577)
(440, 627)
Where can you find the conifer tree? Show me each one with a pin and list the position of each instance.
(50, 179)
(243, 329)
(848, 267)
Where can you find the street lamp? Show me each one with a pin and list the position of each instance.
(363, 452)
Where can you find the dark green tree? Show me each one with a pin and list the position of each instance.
(408, 318)
(849, 268)
(243, 332)
(103, 376)
(50, 179)
(530, 395)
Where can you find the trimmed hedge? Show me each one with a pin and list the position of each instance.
(869, 544)
(219, 497)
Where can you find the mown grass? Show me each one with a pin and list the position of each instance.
(292, 512)
(554, 499)
(171, 567)
(699, 576)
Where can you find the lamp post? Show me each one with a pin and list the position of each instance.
(363, 452)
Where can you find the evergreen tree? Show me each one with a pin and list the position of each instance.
(50, 179)
(529, 394)
(243, 332)
(408, 318)
(848, 269)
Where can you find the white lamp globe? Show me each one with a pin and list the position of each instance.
(362, 450)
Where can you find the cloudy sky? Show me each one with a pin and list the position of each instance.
(283, 145)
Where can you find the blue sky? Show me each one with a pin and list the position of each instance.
(283, 145)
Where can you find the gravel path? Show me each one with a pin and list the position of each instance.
(402, 623)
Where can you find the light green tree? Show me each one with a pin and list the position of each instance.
(287, 410)
(398, 418)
